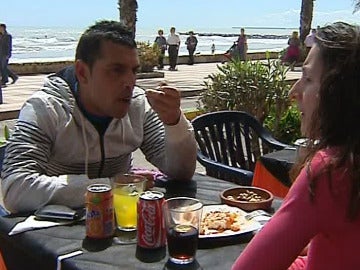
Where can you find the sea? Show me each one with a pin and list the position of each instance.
(48, 44)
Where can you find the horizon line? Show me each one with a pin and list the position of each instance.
(265, 27)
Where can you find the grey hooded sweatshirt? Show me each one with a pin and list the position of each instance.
(55, 152)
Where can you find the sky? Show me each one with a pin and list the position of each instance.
(184, 14)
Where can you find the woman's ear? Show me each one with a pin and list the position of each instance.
(82, 71)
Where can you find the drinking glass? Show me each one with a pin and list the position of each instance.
(182, 219)
(126, 191)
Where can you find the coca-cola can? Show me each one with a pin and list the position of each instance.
(151, 234)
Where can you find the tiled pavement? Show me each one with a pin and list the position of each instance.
(188, 79)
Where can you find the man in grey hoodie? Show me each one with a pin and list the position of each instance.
(85, 122)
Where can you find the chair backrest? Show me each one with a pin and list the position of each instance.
(234, 138)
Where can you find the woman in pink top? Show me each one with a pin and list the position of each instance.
(321, 210)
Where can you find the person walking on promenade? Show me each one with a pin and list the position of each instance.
(242, 45)
(293, 51)
(160, 41)
(191, 43)
(322, 209)
(84, 124)
(173, 42)
(5, 54)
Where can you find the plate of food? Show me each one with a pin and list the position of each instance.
(223, 220)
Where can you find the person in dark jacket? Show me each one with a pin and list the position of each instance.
(160, 41)
(191, 43)
(5, 54)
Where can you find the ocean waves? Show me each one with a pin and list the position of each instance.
(55, 44)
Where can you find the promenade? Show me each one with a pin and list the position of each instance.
(188, 79)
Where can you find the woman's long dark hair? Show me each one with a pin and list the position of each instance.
(335, 122)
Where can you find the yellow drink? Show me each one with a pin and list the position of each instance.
(125, 205)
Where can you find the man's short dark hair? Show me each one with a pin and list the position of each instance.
(89, 46)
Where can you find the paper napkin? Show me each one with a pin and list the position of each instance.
(31, 224)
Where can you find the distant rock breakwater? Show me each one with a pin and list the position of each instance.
(254, 36)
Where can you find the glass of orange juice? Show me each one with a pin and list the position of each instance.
(126, 191)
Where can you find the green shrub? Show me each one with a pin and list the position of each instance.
(288, 130)
(148, 56)
(252, 86)
(6, 137)
(257, 87)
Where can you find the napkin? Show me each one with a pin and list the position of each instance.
(262, 219)
(260, 216)
(31, 224)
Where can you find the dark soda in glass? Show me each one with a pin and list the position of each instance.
(182, 243)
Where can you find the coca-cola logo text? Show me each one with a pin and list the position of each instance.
(148, 216)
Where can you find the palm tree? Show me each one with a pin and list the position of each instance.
(306, 15)
(357, 6)
(128, 9)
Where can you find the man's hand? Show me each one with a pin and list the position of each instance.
(165, 100)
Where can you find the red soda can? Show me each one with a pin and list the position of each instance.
(151, 234)
(100, 222)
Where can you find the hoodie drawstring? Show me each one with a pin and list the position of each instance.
(86, 145)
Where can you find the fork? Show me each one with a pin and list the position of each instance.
(257, 213)
(138, 95)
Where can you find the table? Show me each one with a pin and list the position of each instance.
(39, 249)
(272, 171)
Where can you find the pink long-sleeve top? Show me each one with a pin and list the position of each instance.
(334, 240)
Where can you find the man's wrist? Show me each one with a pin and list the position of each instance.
(174, 122)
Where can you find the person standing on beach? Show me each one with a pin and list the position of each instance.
(173, 42)
(5, 54)
(191, 43)
(160, 41)
(242, 45)
(83, 125)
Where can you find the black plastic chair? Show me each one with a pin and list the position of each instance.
(230, 142)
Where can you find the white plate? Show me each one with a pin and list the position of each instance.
(247, 225)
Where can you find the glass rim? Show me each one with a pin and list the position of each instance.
(126, 179)
(197, 205)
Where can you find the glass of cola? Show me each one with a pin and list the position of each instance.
(182, 219)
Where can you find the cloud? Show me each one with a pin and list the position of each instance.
(322, 18)
(291, 18)
(287, 19)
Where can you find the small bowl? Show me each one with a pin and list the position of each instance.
(263, 201)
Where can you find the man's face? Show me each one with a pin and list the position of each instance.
(2, 30)
(106, 90)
